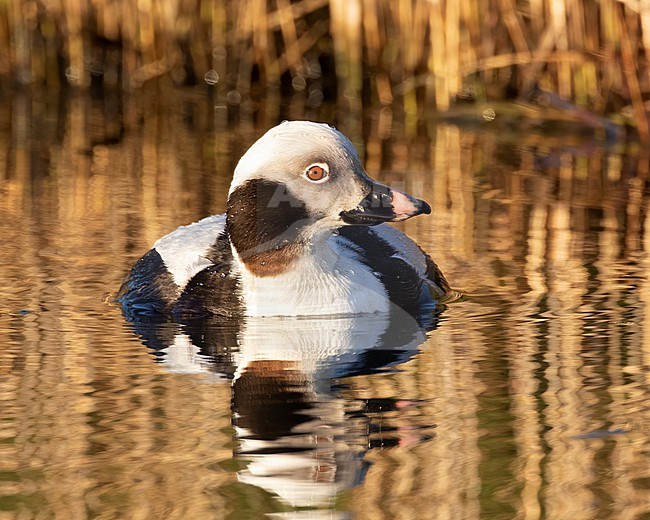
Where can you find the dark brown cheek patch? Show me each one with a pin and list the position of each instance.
(264, 222)
(274, 261)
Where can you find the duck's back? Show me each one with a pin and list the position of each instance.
(410, 277)
(187, 272)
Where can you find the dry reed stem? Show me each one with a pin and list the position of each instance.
(302, 45)
(630, 72)
(290, 36)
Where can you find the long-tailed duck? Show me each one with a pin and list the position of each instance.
(304, 233)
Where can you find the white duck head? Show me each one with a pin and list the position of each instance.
(297, 184)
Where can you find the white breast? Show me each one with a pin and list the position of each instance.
(326, 282)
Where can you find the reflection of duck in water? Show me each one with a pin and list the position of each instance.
(303, 234)
(297, 437)
(303, 443)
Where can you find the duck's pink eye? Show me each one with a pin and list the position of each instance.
(316, 173)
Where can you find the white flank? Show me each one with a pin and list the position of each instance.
(184, 249)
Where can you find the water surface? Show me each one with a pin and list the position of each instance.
(527, 398)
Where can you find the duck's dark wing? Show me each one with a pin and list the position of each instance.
(149, 289)
(412, 280)
(167, 280)
(215, 290)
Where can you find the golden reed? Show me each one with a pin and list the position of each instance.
(420, 54)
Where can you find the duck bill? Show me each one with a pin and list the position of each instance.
(384, 204)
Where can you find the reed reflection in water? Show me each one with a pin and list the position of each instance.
(529, 398)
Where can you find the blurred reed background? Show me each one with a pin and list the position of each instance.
(586, 58)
